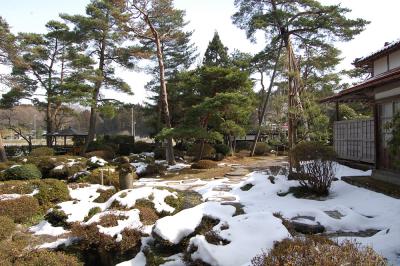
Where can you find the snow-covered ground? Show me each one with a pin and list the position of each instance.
(254, 231)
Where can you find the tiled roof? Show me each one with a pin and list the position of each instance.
(389, 47)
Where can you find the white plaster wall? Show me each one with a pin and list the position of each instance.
(394, 60)
(380, 66)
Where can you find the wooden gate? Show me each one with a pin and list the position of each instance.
(355, 140)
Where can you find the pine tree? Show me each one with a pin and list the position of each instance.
(216, 54)
(46, 62)
(157, 23)
(297, 24)
(100, 32)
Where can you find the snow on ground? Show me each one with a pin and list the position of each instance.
(45, 228)
(16, 196)
(83, 200)
(178, 166)
(253, 232)
(97, 161)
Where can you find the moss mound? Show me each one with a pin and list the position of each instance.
(42, 151)
(7, 227)
(204, 164)
(22, 172)
(20, 210)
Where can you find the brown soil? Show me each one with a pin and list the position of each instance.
(257, 162)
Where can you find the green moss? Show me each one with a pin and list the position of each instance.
(42, 151)
(22, 172)
(92, 212)
(104, 195)
(57, 218)
(51, 192)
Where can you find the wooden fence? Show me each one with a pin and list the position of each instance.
(355, 140)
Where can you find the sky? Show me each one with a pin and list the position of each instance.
(208, 16)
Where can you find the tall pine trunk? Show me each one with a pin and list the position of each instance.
(164, 98)
(95, 98)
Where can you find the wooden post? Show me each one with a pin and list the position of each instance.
(377, 135)
(337, 111)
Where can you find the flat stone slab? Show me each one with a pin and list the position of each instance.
(334, 214)
(306, 225)
(238, 172)
(221, 198)
(224, 188)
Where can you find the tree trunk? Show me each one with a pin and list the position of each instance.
(264, 108)
(3, 155)
(49, 124)
(164, 98)
(95, 98)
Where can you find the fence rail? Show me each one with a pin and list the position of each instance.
(355, 140)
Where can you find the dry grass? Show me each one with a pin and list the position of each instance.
(316, 250)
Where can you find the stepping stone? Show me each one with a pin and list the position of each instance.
(188, 181)
(238, 172)
(223, 188)
(221, 198)
(334, 214)
(306, 225)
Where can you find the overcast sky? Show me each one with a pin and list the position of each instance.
(207, 16)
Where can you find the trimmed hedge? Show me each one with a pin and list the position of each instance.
(261, 148)
(42, 151)
(22, 172)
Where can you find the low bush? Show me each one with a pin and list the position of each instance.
(222, 149)
(105, 194)
(307, 151)
(318, 251)
(261, 149)
(92, 212)
(16, 187)
(22, 172)
(317, 176)
(42, 151)
(111, 220)
(208, 151)
(20, 210)
(110, 177)
(102, 249)
(57, 218)
(153, 169)
(141, 146)
(147, 213)
(45, 257)
(64, 171)
(51, 191)
(7, 227)
(315, 166)
(204, 164)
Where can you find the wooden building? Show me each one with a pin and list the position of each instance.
(367, 140)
